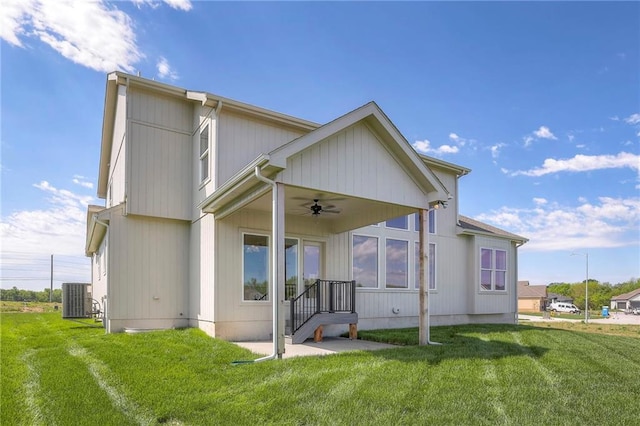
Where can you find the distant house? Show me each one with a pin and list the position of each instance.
(531, 298)
(626, 301)
(560, 298)
(210, 201)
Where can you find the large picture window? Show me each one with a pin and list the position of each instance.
(365, 261)
(431, 282)
(397, 266)
(204, 154)
(493, 269)
(255, 267)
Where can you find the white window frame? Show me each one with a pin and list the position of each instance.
(257, 234)
(204, 155)
(493, 270)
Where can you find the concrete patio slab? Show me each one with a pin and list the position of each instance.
(329, 345)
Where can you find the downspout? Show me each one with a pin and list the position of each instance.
(104, 309)
(274, 268)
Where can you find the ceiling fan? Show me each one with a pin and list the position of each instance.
(316, 208)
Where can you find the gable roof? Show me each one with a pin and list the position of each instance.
(394, 141)
(527, 291)
(475, 227)
(627, 296)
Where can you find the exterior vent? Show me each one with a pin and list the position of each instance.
(76, 300)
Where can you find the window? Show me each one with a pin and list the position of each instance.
(255, 267)
(365, 261)
(204, 154)
(398, 223)
(432, 266)
(397, 254)
(290, 268)
(493, 269)
(432, 221)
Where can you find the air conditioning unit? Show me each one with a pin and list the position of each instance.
(76, 300)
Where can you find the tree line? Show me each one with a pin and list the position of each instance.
(599, 295)
(17, 295)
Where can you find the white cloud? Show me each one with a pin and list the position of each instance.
(610, 222)
(540, 201)
(91, 34)
(82, 181)
(179, 4)
(164, 69)
(424, 146)
(94, 34)
(495, 149)
(58, 228)
(544, 133)
(633, 119)
(583, 163)
(175, 4)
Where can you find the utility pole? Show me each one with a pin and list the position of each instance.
(51, 290)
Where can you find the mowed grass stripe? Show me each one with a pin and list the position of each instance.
(105, 381)
(482, 375)
(31, 389)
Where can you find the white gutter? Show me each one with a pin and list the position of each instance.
(274, 266)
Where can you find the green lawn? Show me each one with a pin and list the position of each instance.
(66, 372)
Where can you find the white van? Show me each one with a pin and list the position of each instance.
(564, 307)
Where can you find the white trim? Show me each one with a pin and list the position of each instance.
(493, 270)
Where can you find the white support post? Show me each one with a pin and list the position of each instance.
(279, 274)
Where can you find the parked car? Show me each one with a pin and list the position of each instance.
(564, 307)
(635, 311)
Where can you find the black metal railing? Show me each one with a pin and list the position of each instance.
(323, 296)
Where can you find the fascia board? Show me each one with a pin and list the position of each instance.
(227, 190)
(280, 155)
(108, 118)
(462, 231)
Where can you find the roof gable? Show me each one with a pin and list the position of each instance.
(388, 136)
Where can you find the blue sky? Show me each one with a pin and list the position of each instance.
(539, 99)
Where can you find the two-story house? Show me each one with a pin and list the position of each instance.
(213, 206)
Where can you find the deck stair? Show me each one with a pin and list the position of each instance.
(322, 303)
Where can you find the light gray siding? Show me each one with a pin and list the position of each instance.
(149, 261)
(354, 162)
(159, 151)
(202, 269)
(243, 139)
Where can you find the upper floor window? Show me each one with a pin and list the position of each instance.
(204, 154)
(432, 221)
(398, 223)
(493, 269)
